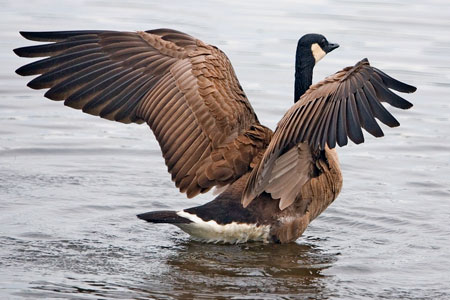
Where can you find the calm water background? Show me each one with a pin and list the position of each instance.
(71, 184)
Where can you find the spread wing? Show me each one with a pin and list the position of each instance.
(184, 89)
(329, 113)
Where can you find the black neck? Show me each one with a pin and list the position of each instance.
(304, 65)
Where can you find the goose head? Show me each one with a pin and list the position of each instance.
(314, 46)
(311, 48)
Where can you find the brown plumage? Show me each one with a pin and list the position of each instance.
(188, 94)
(329, 112)
(184, 89)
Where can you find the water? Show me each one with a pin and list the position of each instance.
(71, 184)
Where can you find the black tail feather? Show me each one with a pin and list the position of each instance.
(163, 216)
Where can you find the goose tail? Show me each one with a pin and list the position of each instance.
(163, 216)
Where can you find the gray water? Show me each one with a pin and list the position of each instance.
(71, 184)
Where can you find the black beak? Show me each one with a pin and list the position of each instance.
(331, 47)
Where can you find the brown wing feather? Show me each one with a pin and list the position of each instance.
(329, 112)
(184, 89)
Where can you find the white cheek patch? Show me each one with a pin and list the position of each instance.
(317, 52)
(233, 233)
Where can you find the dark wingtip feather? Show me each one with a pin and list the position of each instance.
(378, 134)
(395, 84)
(30, 51)
(33, 86)
(54, 94)
(378, 110)
(33, 68)
(38, 36)
(40, 82)
(19, 51)
(25, 34)
(354, 131)
(55, 36)
(411, 88)
(390, 97)
(23, 71)
(407, 104)
(18, 71)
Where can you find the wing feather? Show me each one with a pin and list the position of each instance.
(184, 89)
(353, 122)
(342, 120)
(329, 113)
(328, 126)
(366, 116)
(379, 111)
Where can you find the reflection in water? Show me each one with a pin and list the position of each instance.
(259, 268)
(197, 270)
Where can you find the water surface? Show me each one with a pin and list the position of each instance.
(71, 184)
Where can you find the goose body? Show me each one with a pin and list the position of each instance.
(273, 183)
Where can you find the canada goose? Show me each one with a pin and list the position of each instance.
(274, 183)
